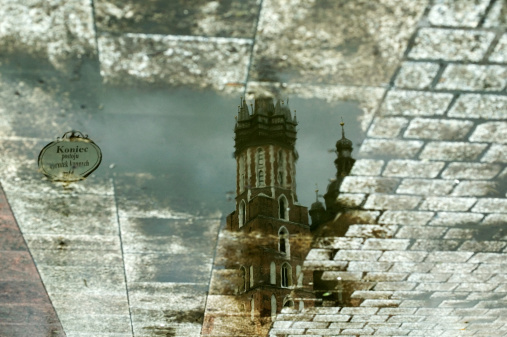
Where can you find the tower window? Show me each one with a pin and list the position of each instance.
(273, 307)
(242, 213)
(283, 241)
(272, 273)
(260, 178)
(282, 208)
(286, 273)
(280, 178)
(243, 284)
(288, 303)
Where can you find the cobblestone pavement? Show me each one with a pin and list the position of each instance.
(426, 252)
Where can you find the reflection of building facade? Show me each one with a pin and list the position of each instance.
(270, 227)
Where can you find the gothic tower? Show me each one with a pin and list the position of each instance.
(268, 215)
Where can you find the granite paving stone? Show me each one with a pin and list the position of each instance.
(415, 103)
(461, 233)
(367, 167)
(425, 186)
(414, 232)
(491, 205)
(494, 219)
(473, 77)
(479, 106)
(456, 219)
(450, 44)
(387, 127)
(434, 244)
(371, 231)
(413, 168)
(406, 217)
(497, 153)
(494, 132)
(483, 246)
(498, 54)
(388, 148)
(476, 188)
(439, 129)
(369, 184)
(416, 75)
(472, 171)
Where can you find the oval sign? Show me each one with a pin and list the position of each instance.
(71, 158)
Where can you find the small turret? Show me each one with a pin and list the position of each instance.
(317, 211)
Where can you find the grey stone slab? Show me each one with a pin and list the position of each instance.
(452, 45)
(385, 277)
(385, 244)
(59, 33)
(343, 275)
(416, 75)
(461, 233)
(65, 257)
(338, 243)
(413, 168)
(444, 256)
(476, 188)
(456, 219)
(416, 267)
(472, 77)
(406, 217)
(404, 256)
(357, 255)
(167, 268)
(368, 266)
(416, 232)
(200, 18)
(390, 148)
(472, 171)
(385, 286)
(65, 215)
(495, 219)
(496, 154)
(498, 54)
(495, 17)
(391, 202)
(467, 13)
(371, 231)
(367, 167)
(425, 186)
(73, 242)
(491, 205)
(451, 151)
(171, 60)
(434, 244)
(495, 132)
(369, 184)
(414, 103)
(84, 279)
(338, 42)
(479, 106)
(482, 246)
(439, 129)
(387, 127)
(96, 323)
(351, 200)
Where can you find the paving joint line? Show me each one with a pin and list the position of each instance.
(122, 256)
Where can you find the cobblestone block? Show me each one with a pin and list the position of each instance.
(414, 103)
(358, 311)
(491, 205)
(339, 243)
(406, 256)
(438, 312)
(391, 202)
(416, 75)
(416, 232)
(425, 186)
(456, 219)
(369, 319)
(495, 219)
(369, 184)
(368, 266)
(473, 77)
(387, 127)
(331, 318)
(393, 312)
(407, 295)
(461, 233)
(472, 171)
(490, 132)
(500, 52)
(432, 245)
(436, 286)
(429, 277)
(422, 267)
(448, 267)
(448, 256)
(413, 168)
(488, 258)
(406, 217)
(357, 255)
(319, 254)
(349, 325)
(367, 167)
(476, 188)
(385, 277)
(384, 286)
(343, 275)
(385, 244)
(472, 277)
(380, 303)
(447, 204)
(440, 129)
(451, 151)
(371, 294)
(478, 287)
(351, 200)
(362, 217)
(390, 148)
(479, 106)
(452, 45)
(496, 154)
(309, 325)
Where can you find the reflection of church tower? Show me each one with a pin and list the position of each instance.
(343, 164)
(267, 208)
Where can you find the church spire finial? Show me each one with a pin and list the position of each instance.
(343, 129)
(316, 192)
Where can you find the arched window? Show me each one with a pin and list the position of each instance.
(242, 213)
(299, 276)
(280, 178)
(251, 277)
(301, 305)
(281, 166)
(242, 183)
(260, 178)
(252, 309)
(282, 208)
(286, 275)
(273, 307)
(272, 273)
(242, 286)
(288, 302)
(283, 241)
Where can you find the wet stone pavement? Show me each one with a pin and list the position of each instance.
(140, 247)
